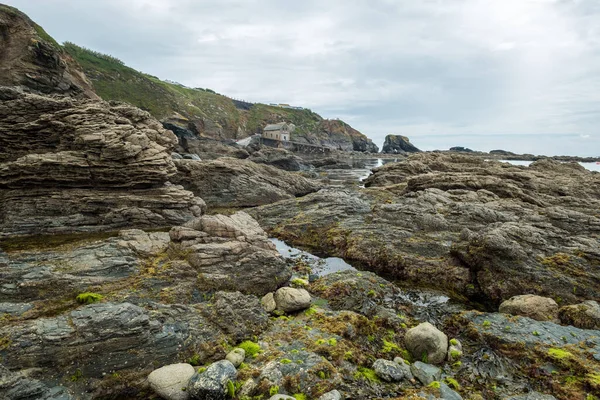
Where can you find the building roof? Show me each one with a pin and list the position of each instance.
(274, 127)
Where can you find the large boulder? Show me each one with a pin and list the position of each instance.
(170, 382)
(229, 182)
(397, 144)
(426, 342)
(532, 306)
(212, 383)
(72, 165)
(231, 253)
(290, 299)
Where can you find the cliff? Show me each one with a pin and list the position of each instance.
(33, 60)
(202, 113)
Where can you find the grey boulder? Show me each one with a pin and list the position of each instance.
(290, 299)
(212, 383)
(426, 341)
(425, 373)
(170, 382)
(236, 356)
(532, 306)
(388, 370)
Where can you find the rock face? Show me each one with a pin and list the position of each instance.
(83, 165)
(397, 144)
(426, 342)
(585, 315)
(279, 158)
(487, 230)
(32, 59)
(170, 381)
(231, 253)
(229, 182)
(529, 305)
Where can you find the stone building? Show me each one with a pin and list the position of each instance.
(280, 131)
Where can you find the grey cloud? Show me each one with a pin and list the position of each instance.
(466, 70)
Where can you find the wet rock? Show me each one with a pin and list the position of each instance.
(532, 306)
(229, 182)
(236, 356)
(290, 299)
(333, 395)
(268, 302)
(388, 370)
(428, 342)
(425, 373)
(585, 315)
(170, 382)
(212, 383)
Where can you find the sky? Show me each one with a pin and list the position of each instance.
(519, 75)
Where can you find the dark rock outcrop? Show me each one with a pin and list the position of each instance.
(486, 230)
(30, 58)
(279, 158)
(461, 149)
(229, 182)
(85, 165)
(397, 144)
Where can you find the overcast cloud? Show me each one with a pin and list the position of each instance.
(523, 75)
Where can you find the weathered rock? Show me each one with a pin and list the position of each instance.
(405, 367)
(229, 182)
(425, 341)
(290, 299)
(388, 370)
(333, 395)
(585, 315)
(15, 308)
(16, 386)
(236, 356)
(212, 383)
(84, 165)
(448, 394)
(532, 396)
(170, 382)
(268, 302)
(395, 144)
(32, 59)
(486, 230)
(231, 253)
(279, 158)
(425, 373)
(281, 397)
(532, 306)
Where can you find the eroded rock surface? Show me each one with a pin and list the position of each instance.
(485, 230)
(84, 165)
(229, 182)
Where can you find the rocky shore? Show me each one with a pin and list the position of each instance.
(129, 271)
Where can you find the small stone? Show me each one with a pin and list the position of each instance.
(169, 381)
(212, 383)
(236, 356)
(281, 397)
(532, 306)
(425, 340)
(291, 299)
(448, 394)
(268, 302)
(388, 370)
(425, 373)
(333, 395)
(454, 350)
(405, 366)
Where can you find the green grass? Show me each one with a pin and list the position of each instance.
(251, 348)
(88, 298)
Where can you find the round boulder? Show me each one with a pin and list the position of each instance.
(532, 306)
(426, 342)
(212, 383)
(291, 299)
(170, 382)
